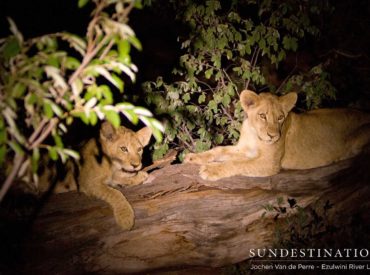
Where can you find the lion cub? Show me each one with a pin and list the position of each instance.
(113, 161)
(274, 138)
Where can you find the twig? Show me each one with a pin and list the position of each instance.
(45, 133)
(18, 161)
(87, 59)
(90, 51)
(227, 114)
(254, 59)
(341, 52)
(128, 9)
(185, 129)
(37, 131)
(288, 76)
(106, 50)
(160, 163)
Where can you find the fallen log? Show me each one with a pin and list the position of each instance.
(182, 220)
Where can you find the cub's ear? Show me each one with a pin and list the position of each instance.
(144, 135)
(288, 101)
(248, 99)
(108, 132)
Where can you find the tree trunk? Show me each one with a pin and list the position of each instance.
(182, 220)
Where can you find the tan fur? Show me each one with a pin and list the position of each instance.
(273, 138)
(114, 161)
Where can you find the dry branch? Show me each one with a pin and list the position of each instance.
(182, 220)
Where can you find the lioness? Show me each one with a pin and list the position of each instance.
(114, 160)
(273, 138)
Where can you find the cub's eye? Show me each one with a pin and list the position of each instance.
(281, 117)
(124, 149)
(262, 116)
(140, 150)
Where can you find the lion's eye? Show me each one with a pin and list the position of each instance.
(124, 149)
(281, 117)
(262, 116)
(140, 150)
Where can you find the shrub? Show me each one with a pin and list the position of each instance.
(223, 55)
(44, 87)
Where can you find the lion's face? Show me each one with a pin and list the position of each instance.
(267, 113)
(124, 147)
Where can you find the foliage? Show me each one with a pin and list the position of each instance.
(223, 54)
(296, 226)
(46, 82)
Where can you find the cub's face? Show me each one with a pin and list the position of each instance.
(124, 147)
(267, 113)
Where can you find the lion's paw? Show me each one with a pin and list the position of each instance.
(142, 176)
(211, 172)
(125, 218)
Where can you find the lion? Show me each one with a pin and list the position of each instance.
(274, 138)
(112, 161)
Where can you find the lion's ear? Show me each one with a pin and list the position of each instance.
(144, 135)
(108, 132)
(288, 101)
(248, 99)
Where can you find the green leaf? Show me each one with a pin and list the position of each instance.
(290, 43)
(69, 120)
(82, 3)
(138, 4)
(123, 48)
(219, 139)
(201, 98)
(18, 90)
(72, 63)
(2, 154)
(16, 147)
(213, 106)
(107, 94)
(11, 48)
(82, 116)
(48, 111)
(93, 118)
(201, 146)
(130, 114)
(58, 141)
(53, 153)
(56, 109)
(35, 159)
(135, 42)
(226, 100)
(160, 150)
(186, 97)
(53, 61)
(3, 136)
(209, 73)
(118, 82)
(113, 117)
(72, 153)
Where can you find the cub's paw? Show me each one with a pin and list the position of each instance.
(141, 177)
(125, 218)
(212, 172)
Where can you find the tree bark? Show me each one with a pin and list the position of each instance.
(182, 220)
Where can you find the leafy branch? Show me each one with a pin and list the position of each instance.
(225, 52)
(43, 88)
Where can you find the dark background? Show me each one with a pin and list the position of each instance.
(344, 42)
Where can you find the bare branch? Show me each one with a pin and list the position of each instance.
(18, 161)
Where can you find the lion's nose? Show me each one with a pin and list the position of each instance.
(135, 165)
(272, 135)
